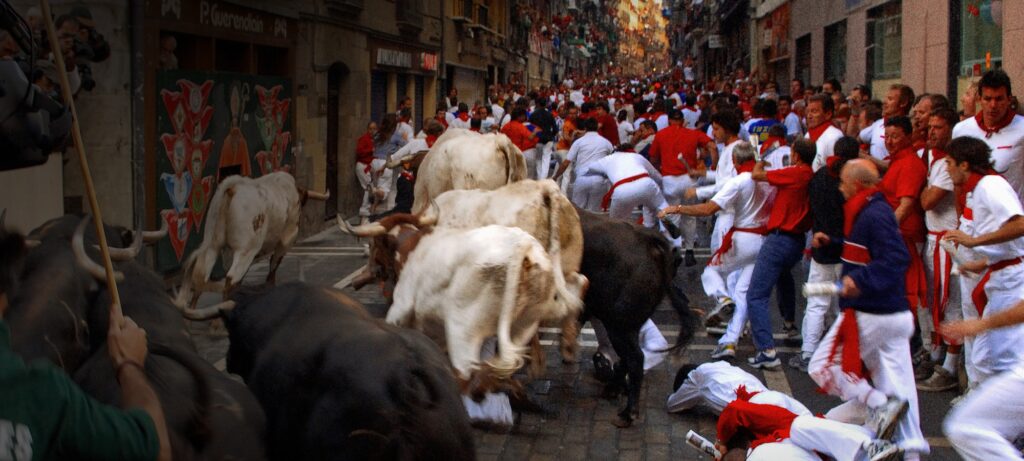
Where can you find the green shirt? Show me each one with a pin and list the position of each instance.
(45, 416)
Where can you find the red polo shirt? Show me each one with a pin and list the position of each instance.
(906, 177)
(672, 141)
(519, 134)
(609, 129)
(791, 211)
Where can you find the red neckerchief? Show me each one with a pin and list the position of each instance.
(743, 394)
(989, 131)
(969, 185)
(817, 131)
(831, 161)
(854, 205)
(745, 167)
(772, 143)
(463, 116)
(430, 140)
(442, 120)
(655, 116)
(937, 155)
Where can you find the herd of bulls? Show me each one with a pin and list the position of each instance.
(322, 378)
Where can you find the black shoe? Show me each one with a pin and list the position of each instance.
(690, 259)
(671, 227)
(603, 370)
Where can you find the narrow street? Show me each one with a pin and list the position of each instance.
(577, 424)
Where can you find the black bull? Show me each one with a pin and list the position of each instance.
(338, 384)
(630, 271)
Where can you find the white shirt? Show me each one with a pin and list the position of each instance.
(1007, 148)
(993, 203)
(406, 131)
(638, 121)
(875, 136)
(409, 149)
(943, 217)
(643, 143)
(715, 383)
(498, 111)
(456, 122)
(661, 122)
(779, 157)
(691, 116)
(576, 97)
(622, 165)
(722, 173)
(625, 129)
(826, 145)
(588, 148)
(793, 125)
(747, 200)
(676, 99)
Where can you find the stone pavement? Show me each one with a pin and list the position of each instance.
(577, 424)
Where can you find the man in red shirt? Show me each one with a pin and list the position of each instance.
(607, 126)
(364, 157)
(516, 131)
(787, 225)
(902, 186)
(676, 151)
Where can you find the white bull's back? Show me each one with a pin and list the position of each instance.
(467, 160)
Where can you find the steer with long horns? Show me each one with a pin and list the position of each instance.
(251, 217)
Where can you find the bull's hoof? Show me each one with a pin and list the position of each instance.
(622, 423)
(603, 369)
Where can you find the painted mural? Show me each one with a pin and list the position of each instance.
(211, 125)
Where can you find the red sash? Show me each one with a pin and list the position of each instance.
(716, 258)
(978, 295)
(607, 199)
(848, 336)
(940, 285)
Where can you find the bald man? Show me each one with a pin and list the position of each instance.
(876, 323)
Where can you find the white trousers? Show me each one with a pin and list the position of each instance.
(982, 427)
(675, 187)
(841, 441)
(967, 309)
(381, 184)
(818, 306)
(722, 225)
(587, 192)
(999, 350)
(740, 260)
(642, 192)
(951, 284)
(651, 343)
(784, 450)
(885, 350)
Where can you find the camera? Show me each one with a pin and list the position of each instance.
(85, 71)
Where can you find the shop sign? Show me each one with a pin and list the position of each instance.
(428, 61)
(219, 15)
(394, 58)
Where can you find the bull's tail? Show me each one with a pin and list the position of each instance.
(510, 355)
(511, 154)
(573, 303)
(688, 320)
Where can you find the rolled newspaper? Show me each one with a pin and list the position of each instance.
(822, 289)
(958, 258)
(703, 445)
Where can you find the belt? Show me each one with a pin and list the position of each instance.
(607, 199)
(796, 235)
(978, 295)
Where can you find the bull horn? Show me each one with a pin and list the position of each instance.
(372, 229)
(318, 195)
(208, 313)
(125, 254)
(430, 215)
(362, 280)
(154, 236)
(84, 261)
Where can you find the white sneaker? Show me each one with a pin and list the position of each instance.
(882, 450)
(882, 420)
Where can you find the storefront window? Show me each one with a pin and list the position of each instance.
(835, 51)
(884, 41)
(981, 36)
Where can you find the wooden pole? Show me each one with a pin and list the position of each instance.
(116, 317)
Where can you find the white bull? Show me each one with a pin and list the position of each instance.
(463, 159)
(251, 217)
(475, 284)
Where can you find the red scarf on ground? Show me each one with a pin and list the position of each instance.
(817, 131)
(853, 206)
(989, 131)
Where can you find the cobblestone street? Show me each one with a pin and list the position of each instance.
(576, 424)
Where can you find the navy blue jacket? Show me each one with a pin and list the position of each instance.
(882, 281)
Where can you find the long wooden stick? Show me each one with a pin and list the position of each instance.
(116, 317)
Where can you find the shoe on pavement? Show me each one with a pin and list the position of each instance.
(718, 314)
(762, 360)
(882, 420)
(690, 260)
(882, 450)
(800, 362)
(923, 366)
(791, 331)
(940, 380)
(724, 351)
(717, 329)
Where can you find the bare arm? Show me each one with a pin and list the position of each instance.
(561, 169)
(903, 210)
(127, 345)
(703, 209)
(759, 173)
(972, 327)
(931, 196)
(1011, 229)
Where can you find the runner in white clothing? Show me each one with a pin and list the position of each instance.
(587, 191)
(998, 237)
(940, 216)
(635, 182)
(749, 203)
(715, 384)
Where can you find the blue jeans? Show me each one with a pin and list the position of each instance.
(777, 256)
